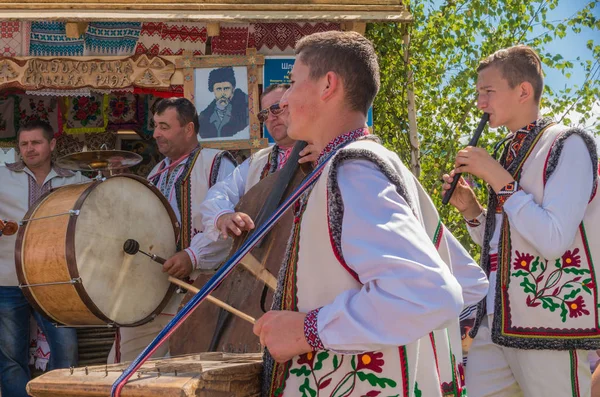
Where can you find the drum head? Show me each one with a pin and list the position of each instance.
(125, 288)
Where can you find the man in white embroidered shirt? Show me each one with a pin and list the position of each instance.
(368, 297)
(21, 185)
(187, 170)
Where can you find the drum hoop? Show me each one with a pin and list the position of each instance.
(19, 258)
(71, 259)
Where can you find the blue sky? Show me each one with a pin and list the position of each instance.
(571, 46)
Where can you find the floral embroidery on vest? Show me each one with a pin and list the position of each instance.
(364, 367)
(546, 286)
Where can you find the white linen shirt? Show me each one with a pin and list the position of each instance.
(16, 193)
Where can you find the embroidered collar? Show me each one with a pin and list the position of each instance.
(20, 166)
(342, 140)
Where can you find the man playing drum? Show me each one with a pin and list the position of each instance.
(218, 214)
(21, 185)
(183, 177)
(370, 291)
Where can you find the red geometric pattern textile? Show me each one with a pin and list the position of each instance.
(14, 38)
(232, 40)
(281, 38)
(172, 38)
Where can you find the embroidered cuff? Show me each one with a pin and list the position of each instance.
(311, 332)
(220, 214)
(505, 193)
(193, 258)
(475, 222)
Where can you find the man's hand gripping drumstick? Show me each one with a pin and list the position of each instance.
(132, 247)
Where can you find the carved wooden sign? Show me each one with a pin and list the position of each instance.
(70, 73)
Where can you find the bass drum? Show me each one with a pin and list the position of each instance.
(70, 259)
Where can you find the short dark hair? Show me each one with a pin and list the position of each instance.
(186, 111)
(37, 125)
(221, 75)
(518, 64)
(348, 54)
(273, 87)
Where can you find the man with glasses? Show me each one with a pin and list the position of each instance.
(218, 215)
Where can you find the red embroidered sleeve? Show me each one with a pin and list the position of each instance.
(311, 332)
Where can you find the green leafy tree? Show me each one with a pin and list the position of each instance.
(447, 42)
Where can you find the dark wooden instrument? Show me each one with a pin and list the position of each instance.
(210, 328)
(8, 228)
(207, 374)
(472, 142)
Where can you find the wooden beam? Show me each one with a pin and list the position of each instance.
(71, 12)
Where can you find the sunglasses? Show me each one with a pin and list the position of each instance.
(275, 110)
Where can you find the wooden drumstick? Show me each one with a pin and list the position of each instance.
(132, 247)
(214, 300)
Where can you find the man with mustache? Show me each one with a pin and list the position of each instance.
(183, 177)
(227, 114)
(21, 185)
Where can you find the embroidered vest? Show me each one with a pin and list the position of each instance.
(426, 367)
(547, 303)
(200, 173)
(260, 166)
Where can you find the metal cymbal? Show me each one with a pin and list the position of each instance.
(98, 160)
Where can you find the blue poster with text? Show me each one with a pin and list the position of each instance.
(276, 71)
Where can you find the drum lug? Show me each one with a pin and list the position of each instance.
(76, 280)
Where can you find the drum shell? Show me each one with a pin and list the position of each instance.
(54, 258)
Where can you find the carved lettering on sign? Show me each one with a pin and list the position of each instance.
(65, 73)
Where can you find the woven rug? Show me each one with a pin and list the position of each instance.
(112, 38)
(86, 114)
(122, 111)
(232, 40)
(45, 108)
(14, 38)
(172, 38)
(281, 38)
(8, 127)
(50, 39)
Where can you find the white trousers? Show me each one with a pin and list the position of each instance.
(497, 371)
(131, 341)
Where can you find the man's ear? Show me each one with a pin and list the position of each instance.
(526, 92)
(331, 84)
(189, 128)
(52, 144)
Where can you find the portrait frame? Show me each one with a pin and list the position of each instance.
(252, 61)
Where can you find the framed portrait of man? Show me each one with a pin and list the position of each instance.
(221, 98)
(225, 92)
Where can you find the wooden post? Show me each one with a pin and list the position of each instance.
(359, 27)
(415, 156)
(75, 30)
(213, 29)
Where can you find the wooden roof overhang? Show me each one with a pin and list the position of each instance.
(347, 11)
